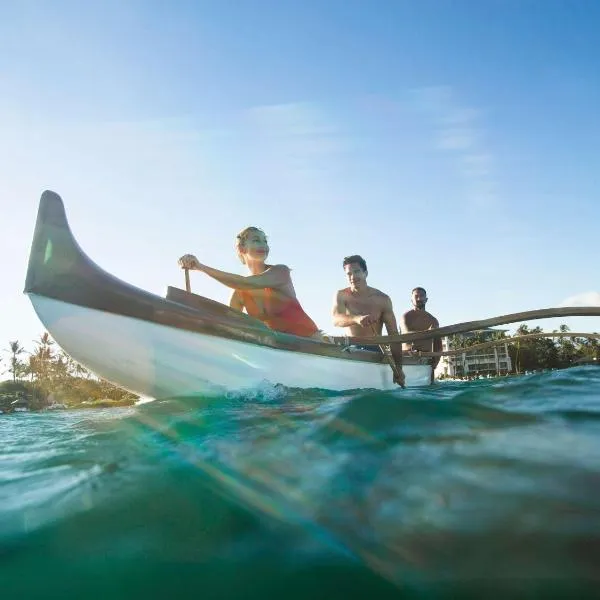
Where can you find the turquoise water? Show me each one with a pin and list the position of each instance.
(480, 489)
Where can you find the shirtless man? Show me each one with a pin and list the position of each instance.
(418, 319)
(363, 310)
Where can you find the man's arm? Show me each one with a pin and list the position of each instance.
(391, 327)
(403, 324)
(340, 318)
(388, 317)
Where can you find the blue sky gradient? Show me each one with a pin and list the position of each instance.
(455, 145)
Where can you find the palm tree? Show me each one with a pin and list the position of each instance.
(16, 366)
(42, 357)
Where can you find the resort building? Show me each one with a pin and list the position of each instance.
(490, 361)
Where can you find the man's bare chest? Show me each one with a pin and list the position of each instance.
(360, 305)
(419, 321)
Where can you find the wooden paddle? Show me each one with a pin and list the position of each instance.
(188, 287)
(530, 315)
(389, 358)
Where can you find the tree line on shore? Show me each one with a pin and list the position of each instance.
(539, 353)
(47, 376)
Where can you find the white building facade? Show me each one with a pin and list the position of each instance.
(491, 361)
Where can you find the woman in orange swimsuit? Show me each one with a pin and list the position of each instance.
(267, 293)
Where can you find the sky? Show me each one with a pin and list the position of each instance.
(454, 145)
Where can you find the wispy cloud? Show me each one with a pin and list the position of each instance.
(298, 146)
(294, 118)
(459, 131)
(302, 130)
(583, 299)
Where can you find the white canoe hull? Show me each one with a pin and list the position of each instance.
(159, 361)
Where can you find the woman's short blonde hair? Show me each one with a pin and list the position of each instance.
(240, 240)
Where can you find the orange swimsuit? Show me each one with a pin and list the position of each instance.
(282, 313)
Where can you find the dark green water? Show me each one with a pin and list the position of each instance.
(480, 489)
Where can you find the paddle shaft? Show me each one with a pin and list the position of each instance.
(392, 362)
(188, 287)
(389, 357)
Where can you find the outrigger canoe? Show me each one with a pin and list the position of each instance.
(181, 344)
